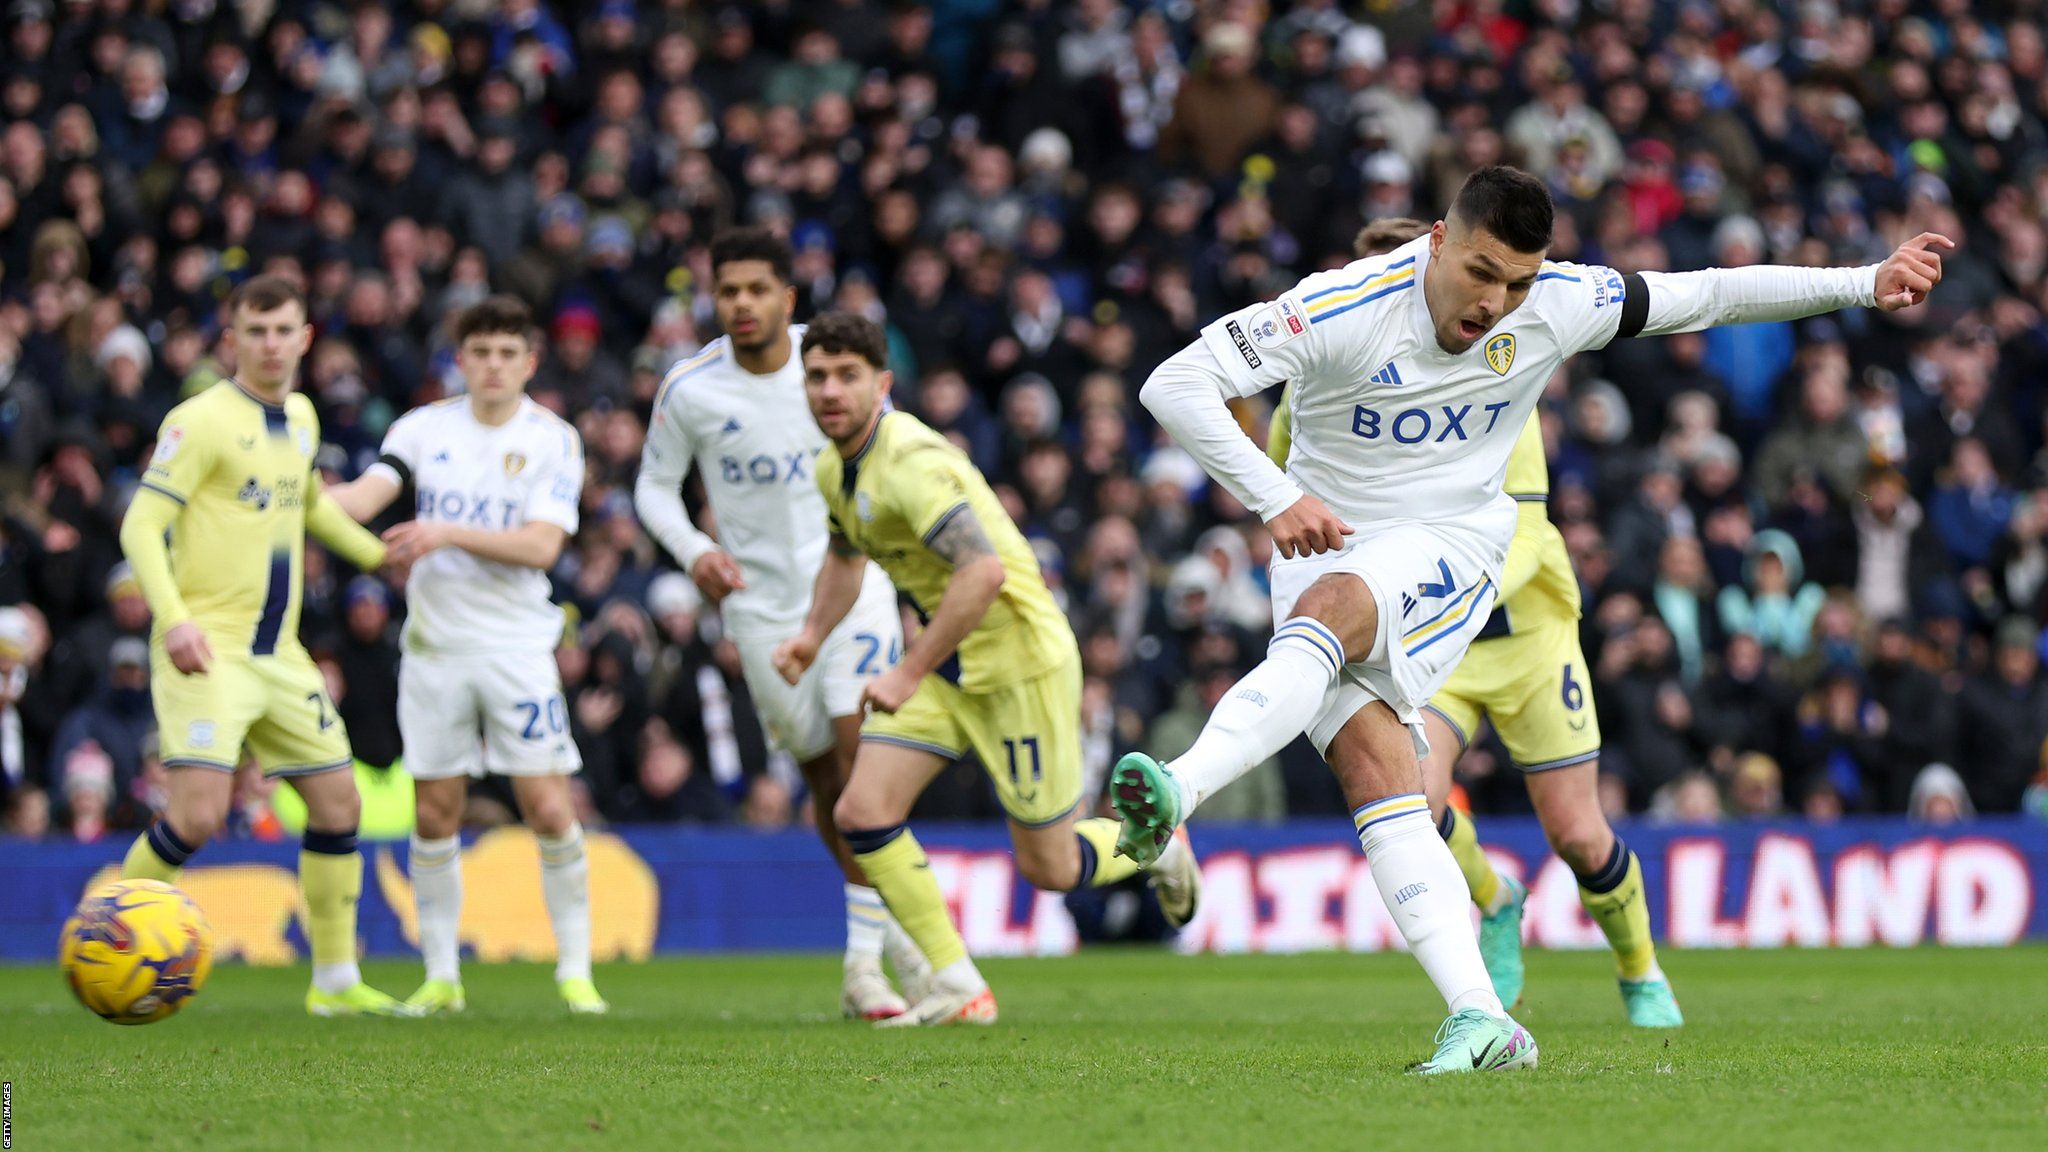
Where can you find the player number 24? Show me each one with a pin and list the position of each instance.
(871, 649)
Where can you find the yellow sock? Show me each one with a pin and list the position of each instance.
(331, 880)
(1463, 838)
(1098, 837)
(142, 863)
(157, 854)
(1623, 913)
(897, 867)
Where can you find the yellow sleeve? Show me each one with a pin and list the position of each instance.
(1525, 552)
(338, 530)
(926, 485)
(1280, 429)
(150, 516)
(1528, 467)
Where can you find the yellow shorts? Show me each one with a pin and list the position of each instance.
(1027, 735)
(1536, 689)
(275, 706)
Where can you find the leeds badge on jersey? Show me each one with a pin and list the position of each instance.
(514, 463)
(1500, 354)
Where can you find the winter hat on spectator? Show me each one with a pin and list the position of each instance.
(121, 580)
(89, 769)
(367, 589)
(1362, 45)
(1227, 39)
(672, 592)
(2018, 632)
(1388, 168)
(29, 12)
(1045, 150)
(1937, 781)
(128, 652)
(1172, 465)
(562, 209)
(610, 234)
(128, 341)
(578, 320)
(16, 633)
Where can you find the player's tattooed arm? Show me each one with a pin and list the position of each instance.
(959, 538)
(841, 546)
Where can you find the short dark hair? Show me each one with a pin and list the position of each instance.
(1386, 234)
(837, 332)
(499, 315)
(1510, 204)
(266, 293)
(734, 244)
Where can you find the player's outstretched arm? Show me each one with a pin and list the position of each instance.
(334, 527)
(1658, 303)
(366, 495)
(536, 544)
(833, 595)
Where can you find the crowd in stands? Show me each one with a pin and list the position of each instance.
(1814, 555)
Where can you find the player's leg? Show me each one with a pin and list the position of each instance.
(301, 739)
(201, 722)
(438, 719)
(820, 719)
(1446, 722)
(1333, 622)
(899, 756)
(1028, 737)
(546, 805)
(435, 862)
(1610, 885)
(1374, 756)
(526, 737)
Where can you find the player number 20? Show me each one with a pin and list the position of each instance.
(551, 711)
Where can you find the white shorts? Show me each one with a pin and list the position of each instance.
(467, 715)
(799, 716)
(1435, 588)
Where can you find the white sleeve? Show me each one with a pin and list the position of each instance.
(658, 493)
(1690, 301)
(398, 457)
(1187, 395)
(557, 493)
(1258, 347)
(1583, 303)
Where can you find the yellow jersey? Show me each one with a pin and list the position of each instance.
(888, 501)
(1538, 585)
(241, 474)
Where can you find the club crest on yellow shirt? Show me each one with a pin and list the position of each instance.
(863, 508)
(514, 461)
(1500, 354)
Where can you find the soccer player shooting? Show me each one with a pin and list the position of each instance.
(1414, 375)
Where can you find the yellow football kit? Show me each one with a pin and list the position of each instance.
(216, 535)
(1012, 691)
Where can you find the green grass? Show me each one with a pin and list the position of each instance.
(1125, 1050)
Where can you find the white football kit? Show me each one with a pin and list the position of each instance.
(754, 441)
(480, 636)
(1408, 444)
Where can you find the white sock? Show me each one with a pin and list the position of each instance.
(1273, 704)
(337, 978)
(904, 955)
(867, 925)
(437, 892)
(1427, 897)
(960, 976)
(565, 882)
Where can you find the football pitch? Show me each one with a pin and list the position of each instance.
(1110, 1050)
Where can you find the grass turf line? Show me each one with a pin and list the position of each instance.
(1810, 1050)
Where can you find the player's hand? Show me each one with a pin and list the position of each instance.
(1307, 527)
(405, 543)
(1909, 274)
(793, 657)
(186, 645)
(717, 575)
(889, 691)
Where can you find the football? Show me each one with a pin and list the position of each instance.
(136, 950)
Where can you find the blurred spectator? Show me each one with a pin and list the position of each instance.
(1939, 797)
(1773, 604)
(1223, 108)
(1756, 788)
(366, 653)
(104, 737)
(1259, 795)
(23, 725)
(2002, 724)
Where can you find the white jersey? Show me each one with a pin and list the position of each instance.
(526, 470)
(754, 442)
(1387, 425)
